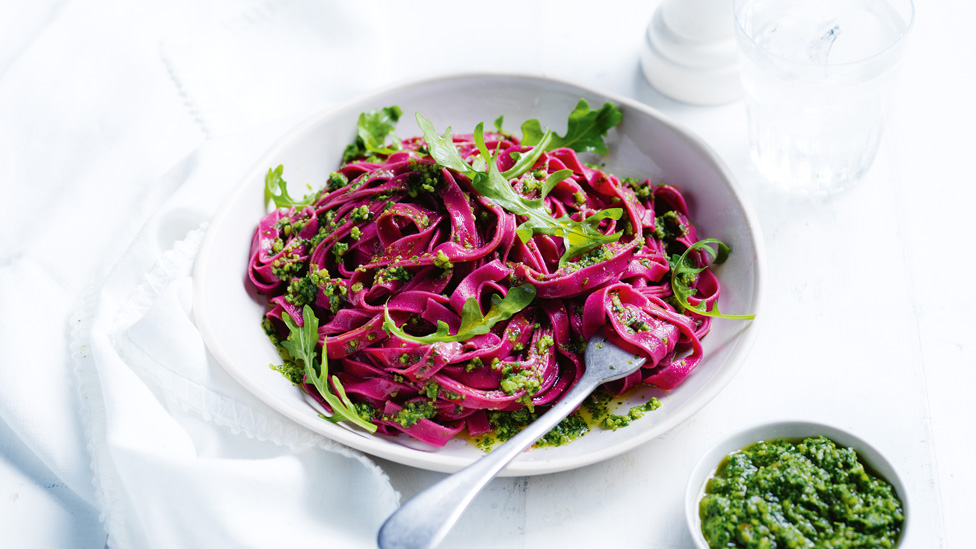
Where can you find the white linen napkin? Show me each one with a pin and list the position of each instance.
(182, 455)
(279, 58)
(156, 441)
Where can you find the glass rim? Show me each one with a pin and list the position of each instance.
(740, 29)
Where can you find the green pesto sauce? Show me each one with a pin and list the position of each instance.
(288, 368)
(595, 413)
(412, 413)
(799, 493)
(508, 424)
(426, 178)
(598, 408)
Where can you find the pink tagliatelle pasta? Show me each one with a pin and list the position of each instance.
(444, 302)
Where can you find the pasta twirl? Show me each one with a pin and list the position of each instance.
(439, 306)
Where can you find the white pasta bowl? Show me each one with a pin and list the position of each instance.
(645, 144)
(708, 464)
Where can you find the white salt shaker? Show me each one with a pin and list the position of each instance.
(690, 54)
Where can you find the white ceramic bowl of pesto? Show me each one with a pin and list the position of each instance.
(708, 464)
(645, 144)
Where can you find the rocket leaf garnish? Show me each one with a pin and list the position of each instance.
(301, 344)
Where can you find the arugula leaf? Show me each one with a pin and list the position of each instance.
(301, 344)
(472, 321)
(584, 132)
(275, 188)
(498, 124)
(578, 236)
(582, 236)
(525, 161)
(553, 180)
(684, 272)
(442, 148)
(376, 126)
(375, 130)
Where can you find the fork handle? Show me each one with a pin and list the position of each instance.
(426, 519)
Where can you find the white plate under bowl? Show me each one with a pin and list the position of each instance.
(644, 144)
(786, 429)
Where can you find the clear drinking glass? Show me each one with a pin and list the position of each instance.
(817, 78)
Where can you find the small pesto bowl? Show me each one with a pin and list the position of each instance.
(707, 466)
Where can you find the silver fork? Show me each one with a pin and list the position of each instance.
(425, 520)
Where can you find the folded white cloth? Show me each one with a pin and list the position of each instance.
(278, 58)
(182, 455)
(150, 436)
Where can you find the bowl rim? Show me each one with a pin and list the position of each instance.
(705, 467)
(408, 456)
